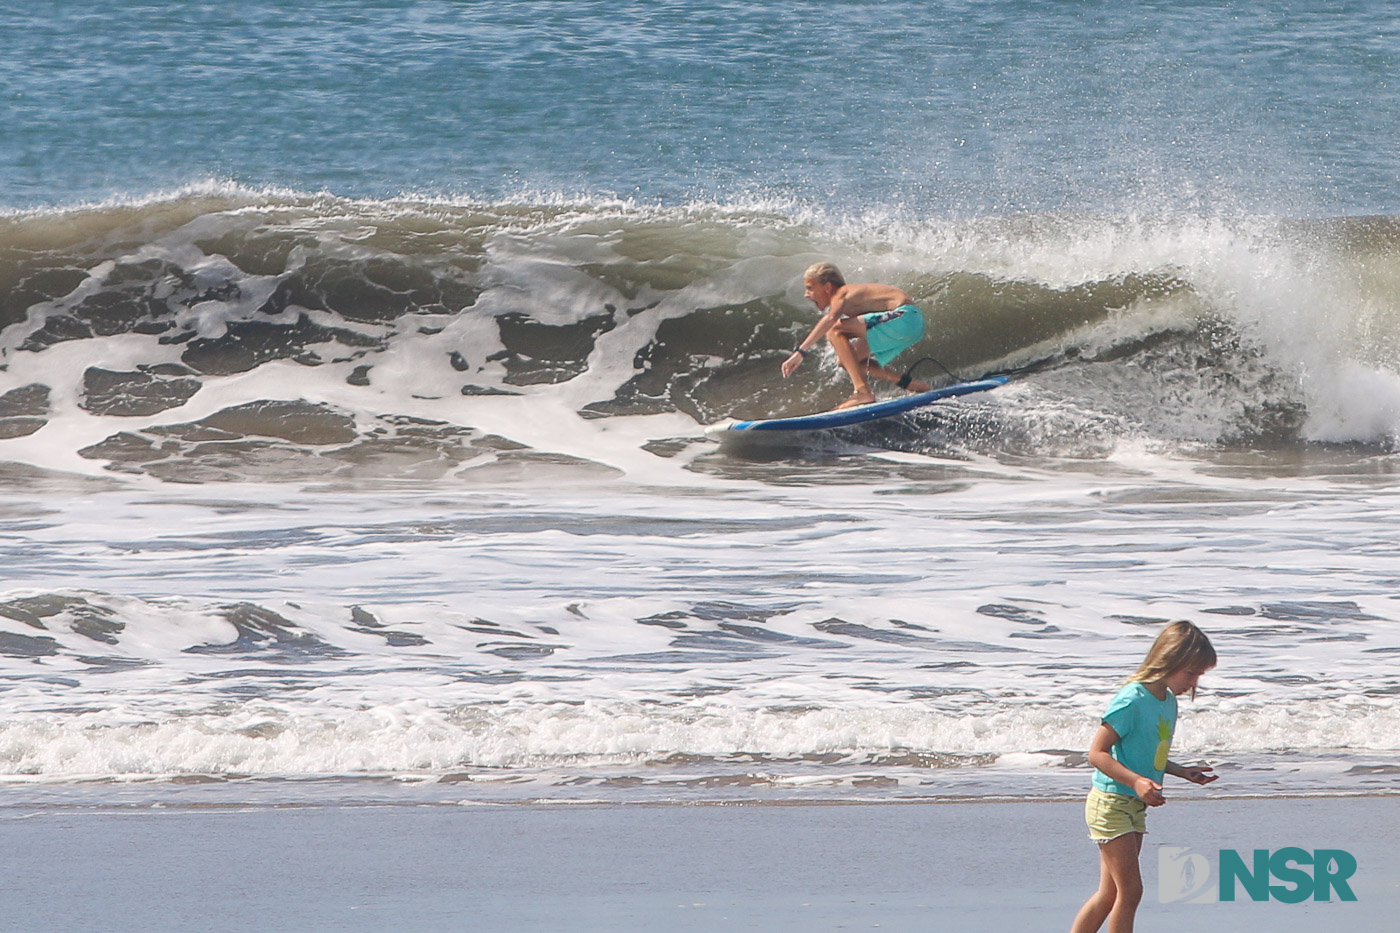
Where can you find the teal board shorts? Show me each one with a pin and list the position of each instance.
(890, 333)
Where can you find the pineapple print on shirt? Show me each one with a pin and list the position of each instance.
(1164, 743)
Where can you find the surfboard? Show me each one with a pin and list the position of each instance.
(847, 416)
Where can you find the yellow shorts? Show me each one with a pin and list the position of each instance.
(1112, 815)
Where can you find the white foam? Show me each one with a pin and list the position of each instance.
(261, 739)
(1354, 403)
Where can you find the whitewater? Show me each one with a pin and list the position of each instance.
(360, 456)
(354, 533)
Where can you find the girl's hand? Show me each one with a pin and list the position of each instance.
(1150, 792)
(791, 363)
(1199, 774)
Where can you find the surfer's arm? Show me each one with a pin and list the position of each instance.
(825, 323)
(1101, 757)
(1196, 774)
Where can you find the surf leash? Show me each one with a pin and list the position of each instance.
(908, 376)
(1036, 367)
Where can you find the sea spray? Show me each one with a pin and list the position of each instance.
(144, 333)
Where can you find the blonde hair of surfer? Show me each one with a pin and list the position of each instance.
(849, 313)
(1178, 658)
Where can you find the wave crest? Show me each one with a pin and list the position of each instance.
(1253, 332)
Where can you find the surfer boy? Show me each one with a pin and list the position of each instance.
(867, 325)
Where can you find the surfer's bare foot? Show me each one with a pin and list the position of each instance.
(917, 386)
(855, 401)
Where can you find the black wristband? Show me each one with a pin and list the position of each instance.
(802, 351)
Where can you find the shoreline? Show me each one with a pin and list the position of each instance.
(607, 867)
(600, 803)
(388, 791)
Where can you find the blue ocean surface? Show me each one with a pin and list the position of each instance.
(907, 106)
(355, 360)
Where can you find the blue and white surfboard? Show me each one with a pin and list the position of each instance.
(848, 416)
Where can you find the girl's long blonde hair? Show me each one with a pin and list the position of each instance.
(1179, 645)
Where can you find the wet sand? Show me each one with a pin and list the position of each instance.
(976, 866)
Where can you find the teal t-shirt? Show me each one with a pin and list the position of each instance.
(1144, 725)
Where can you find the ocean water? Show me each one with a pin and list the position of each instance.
(354, 364)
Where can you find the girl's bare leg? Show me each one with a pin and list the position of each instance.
(1120, 888)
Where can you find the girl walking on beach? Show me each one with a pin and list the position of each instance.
(1129, 754)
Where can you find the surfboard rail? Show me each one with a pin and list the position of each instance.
(857, 415)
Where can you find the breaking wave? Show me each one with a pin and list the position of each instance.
(220, 332)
